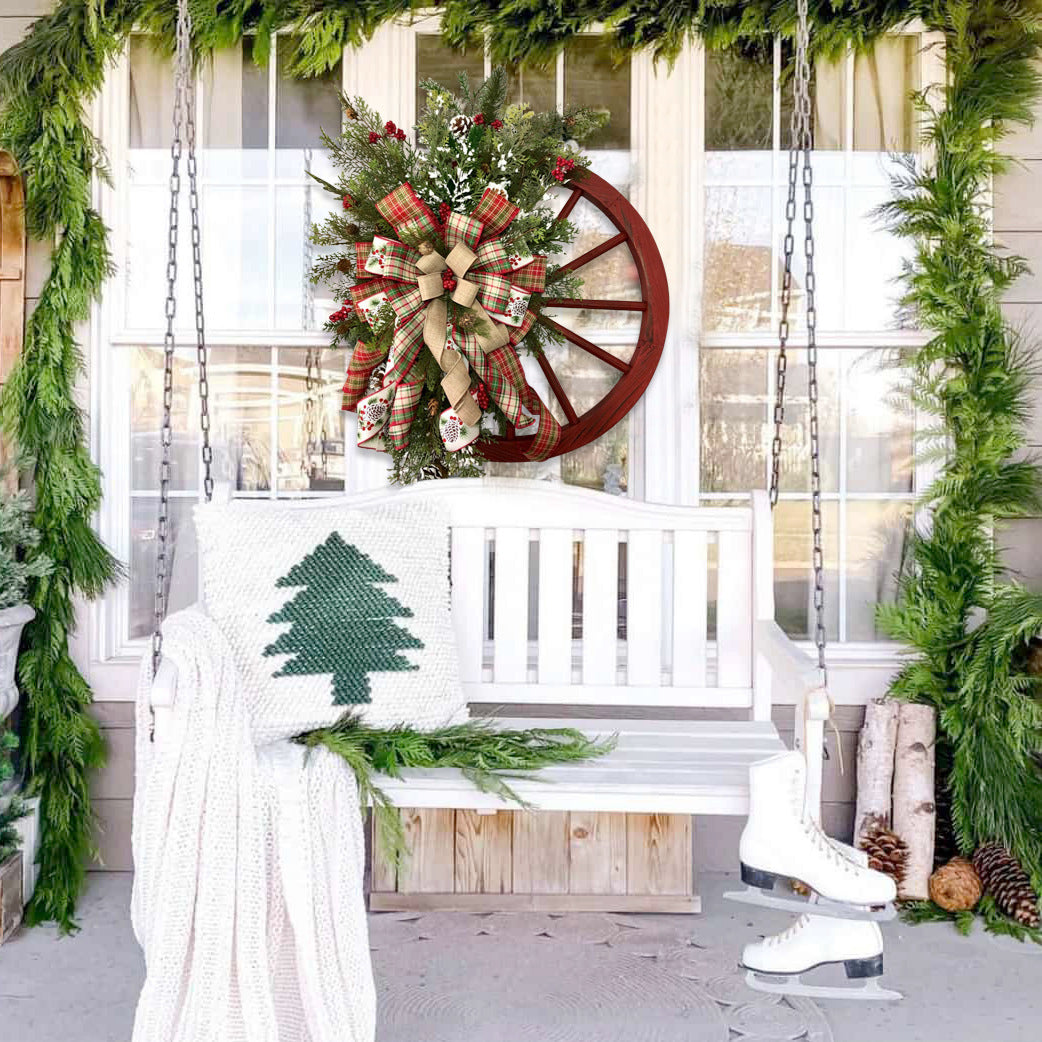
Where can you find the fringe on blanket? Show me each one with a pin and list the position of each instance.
(249, 862)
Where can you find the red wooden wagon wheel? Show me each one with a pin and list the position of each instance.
(653, 306)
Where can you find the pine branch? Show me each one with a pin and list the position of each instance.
(488, 758)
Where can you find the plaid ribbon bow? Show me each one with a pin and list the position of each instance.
(483, 277)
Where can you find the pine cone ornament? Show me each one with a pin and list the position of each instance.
(1004, 879)
(955, 886)
(885, 848)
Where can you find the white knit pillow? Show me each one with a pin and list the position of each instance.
(331, 609)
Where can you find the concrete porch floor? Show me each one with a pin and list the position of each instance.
(503, 979)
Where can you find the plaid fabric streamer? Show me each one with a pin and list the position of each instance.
(407, 213)
(495, 211)
(532, 277)
(364, 359)
(392, 260)
(459, 228)
(387, 269)
(403, 412)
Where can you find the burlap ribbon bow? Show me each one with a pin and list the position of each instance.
(493, 285)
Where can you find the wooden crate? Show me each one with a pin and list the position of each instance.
(463, 860)
(11, 903)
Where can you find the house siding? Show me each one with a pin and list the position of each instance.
(1018, 225)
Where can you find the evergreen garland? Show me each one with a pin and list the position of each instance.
(973, 377)
(973, 373)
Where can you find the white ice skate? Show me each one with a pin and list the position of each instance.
(776, 963)
(781, 841)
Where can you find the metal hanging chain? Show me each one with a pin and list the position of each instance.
(184, 115)
(800, 146)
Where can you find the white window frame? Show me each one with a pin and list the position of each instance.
(667, 133)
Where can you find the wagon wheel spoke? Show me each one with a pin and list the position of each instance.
(586, 345)
(595, 305)
(557, 388)
(591, 255)
(569, 205)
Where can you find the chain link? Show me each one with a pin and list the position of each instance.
(800, 146)
(183, 117)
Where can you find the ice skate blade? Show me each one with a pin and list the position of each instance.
(780, 984)
(815, 905)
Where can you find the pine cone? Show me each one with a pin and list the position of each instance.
(956, 886)
(885, 848)
(1004, 879)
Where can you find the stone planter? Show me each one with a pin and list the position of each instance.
(12, 621)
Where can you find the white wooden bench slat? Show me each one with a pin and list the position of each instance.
(600, 606)
(555, 607)
(510, 617)
(468, 599)
(627, 729)
(690, 614)
(734, 609)
(644, 609)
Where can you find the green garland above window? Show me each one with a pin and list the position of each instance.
(972, 375)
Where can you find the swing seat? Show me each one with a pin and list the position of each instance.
(573, 608)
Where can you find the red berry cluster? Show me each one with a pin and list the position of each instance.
(562, 168)
(393, 131)
(448, 281)
(343, 313)
(443, 212)
(481, 396)
(373, 137)
(479, 119)
(497, 124)
(348, 202)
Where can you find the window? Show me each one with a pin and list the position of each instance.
(276, 425)
(863, 125)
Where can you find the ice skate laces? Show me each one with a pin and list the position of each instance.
(822, 843)
(786, 935)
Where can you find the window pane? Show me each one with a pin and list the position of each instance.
(311, 423)
(880, 425)
(435, 61)
(877, 544)
(737, 280)
(235, 99)
(739, 99)
(151, 110)
(183, 570)
(146, 413)
(304, 108)
(733, 409)
(592, 79)
(884, 79)
(537, 88)
(737, 397)
(793, 575)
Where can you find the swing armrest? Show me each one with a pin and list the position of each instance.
(792, 671)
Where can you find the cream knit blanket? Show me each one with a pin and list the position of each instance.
(249, 861)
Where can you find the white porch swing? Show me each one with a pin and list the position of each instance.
(669, 660)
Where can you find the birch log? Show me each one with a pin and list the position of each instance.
(875, 762)
(914, 811)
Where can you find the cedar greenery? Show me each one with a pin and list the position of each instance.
(973, 377)
(48, 79)
(484, 756)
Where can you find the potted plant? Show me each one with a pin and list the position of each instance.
(12, 808)
(18, 566)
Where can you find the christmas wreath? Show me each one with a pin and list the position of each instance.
(439, 254)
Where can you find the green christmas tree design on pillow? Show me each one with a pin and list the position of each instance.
(341, 621)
